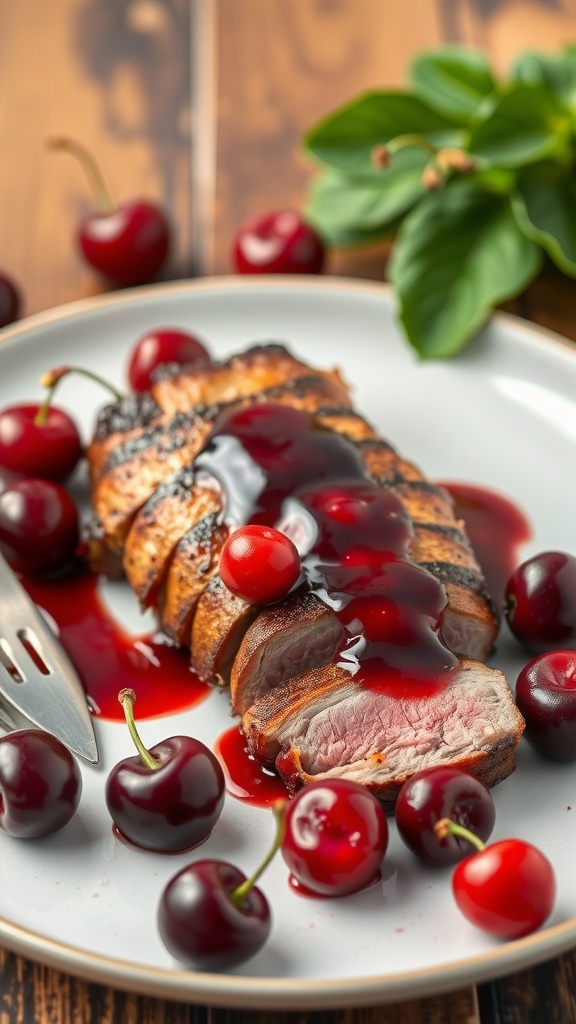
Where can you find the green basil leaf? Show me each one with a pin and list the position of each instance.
(338, 204)
(454, 80)
(555, 72)
(545, 207)
(526, 124)
(346, 138)
(458, 254)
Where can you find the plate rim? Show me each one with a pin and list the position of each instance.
(239, 991)
(254, 282)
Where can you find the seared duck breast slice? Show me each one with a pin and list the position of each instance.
(324, 725)
(245, 373)
(173, 509)
(194, 562)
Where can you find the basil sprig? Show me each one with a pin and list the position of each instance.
(473, 178)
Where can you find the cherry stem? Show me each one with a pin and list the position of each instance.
(411, 139)
(238, 895)
(91, 169)
(127, 698)
(445, 827)
(52, 378)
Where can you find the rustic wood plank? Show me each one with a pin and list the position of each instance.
(544, 995)
(34, 994)
(460, 1008)
(279, 67)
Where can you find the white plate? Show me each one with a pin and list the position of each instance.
(502, 415)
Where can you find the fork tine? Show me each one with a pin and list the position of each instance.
(37, 678)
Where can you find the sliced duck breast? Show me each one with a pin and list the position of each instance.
(324, 725)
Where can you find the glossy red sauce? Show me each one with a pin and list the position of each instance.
(108, 659)
(245, 778)
(278, 467)
(496, 528)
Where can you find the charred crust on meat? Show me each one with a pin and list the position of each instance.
(448, 572)
(176, 486)
(175, 369)
(128, 413)
(167, 436)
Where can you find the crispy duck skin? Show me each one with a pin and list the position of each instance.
(244, 374)
(205, 384)
(175, 505)
(134, 468)
(179, 503)
(322, 725)
(195, 561)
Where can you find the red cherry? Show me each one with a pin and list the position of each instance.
(259, 564)
(335, 837)
(167, 798)
(40, 784)
(546, 697)
(10, 301)
(211, 917)
(39, 441)
(203, 926)
(7, 478)
(129, 243)
(436, 793)
(540, 602)
(160, 346)
(38, 527)
(507, 889)
(279, 242)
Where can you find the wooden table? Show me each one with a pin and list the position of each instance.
(202, 105)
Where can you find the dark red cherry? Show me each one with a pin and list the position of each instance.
(279, 242)
(259, 564)
(540, 602)
(167, 798)
(127, 243)
(10, 301)
(7, 478)
(39, 440)
(436, 793)
(202, 923)
(38, 527)
(211, 916)
(159, 346)
(546, 697)
(40, 784)
(335, 837)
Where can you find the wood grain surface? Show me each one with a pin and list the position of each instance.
(201, 105)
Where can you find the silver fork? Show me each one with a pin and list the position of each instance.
(37, 679)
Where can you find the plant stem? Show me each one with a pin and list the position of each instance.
(52, 378)
(239, 894)
(127, 698)
(445, 826)
(91, 169)
(410, 139)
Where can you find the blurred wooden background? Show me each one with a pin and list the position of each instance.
(201, 104)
